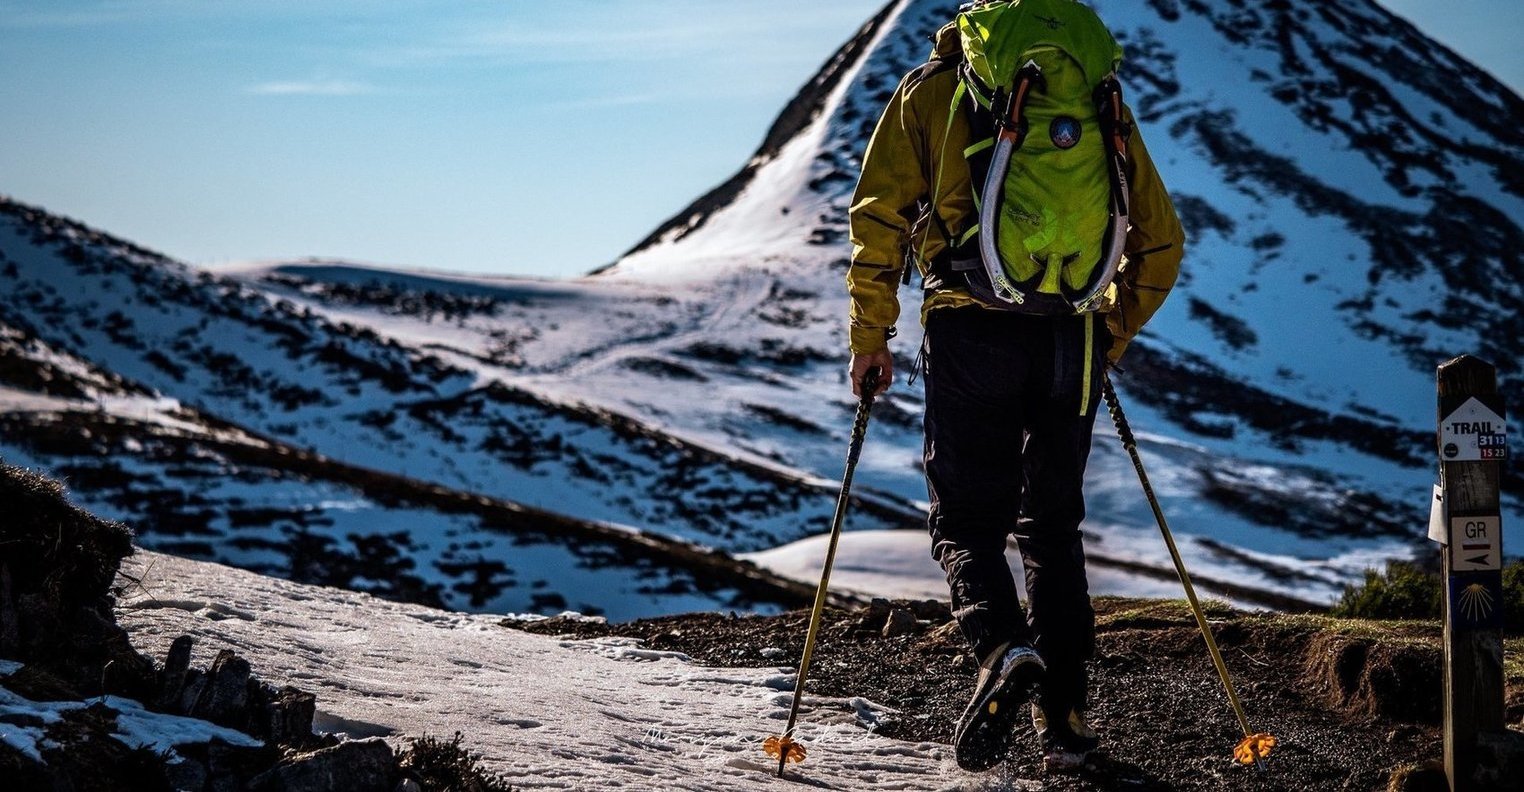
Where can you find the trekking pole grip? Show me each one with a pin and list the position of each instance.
(1114, 407)
(866, 388)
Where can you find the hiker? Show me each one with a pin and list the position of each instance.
(1018, 328)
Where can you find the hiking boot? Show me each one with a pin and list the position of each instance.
(1007, 679)
(1066, 743)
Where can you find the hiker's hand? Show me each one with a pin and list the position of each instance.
(860, 365)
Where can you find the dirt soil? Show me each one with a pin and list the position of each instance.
(1350, 702)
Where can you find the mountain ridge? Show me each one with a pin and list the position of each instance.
(801, 110)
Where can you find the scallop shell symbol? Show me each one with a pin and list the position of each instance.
(1476, 602)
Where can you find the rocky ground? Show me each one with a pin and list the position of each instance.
(83, 710)
(1352, 702)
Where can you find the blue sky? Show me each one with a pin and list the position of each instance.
(538, 137)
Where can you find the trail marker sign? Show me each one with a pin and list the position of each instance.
(1476, 601)
(1476, 543)
(1472, 443)
(1474, 431)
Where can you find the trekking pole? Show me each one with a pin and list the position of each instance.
(1255, 745)
(782, 747)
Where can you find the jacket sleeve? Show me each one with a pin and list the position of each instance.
(883, 211)
(1155, 246)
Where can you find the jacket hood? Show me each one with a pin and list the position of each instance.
(948, 42)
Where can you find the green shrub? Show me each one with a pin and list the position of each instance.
(440, 766)
(1513, 597)
(1404, 591)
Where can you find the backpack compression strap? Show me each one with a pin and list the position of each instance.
(1114, 131)
(1011, 127)
(1011, 131)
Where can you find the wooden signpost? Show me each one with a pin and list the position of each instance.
(1472, 443)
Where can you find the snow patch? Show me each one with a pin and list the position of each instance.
(601, 714)
(136, 727)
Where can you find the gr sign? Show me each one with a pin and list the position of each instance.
(1476, 543)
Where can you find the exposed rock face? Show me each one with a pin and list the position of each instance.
(228, 695)
(900, 617)
(55, 578)
(353, 766)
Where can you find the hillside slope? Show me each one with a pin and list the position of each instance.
(204, 487)
(342, 390)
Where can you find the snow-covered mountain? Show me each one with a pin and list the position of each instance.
(1351, 191)
(1352, 194)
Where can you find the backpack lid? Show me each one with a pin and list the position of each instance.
(999, 38)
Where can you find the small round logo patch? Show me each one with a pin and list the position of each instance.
(1064, 132)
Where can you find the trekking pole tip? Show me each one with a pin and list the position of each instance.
(1254, 748)
(784, 749)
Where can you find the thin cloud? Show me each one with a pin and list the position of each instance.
(640, 32)
(97, 13)
(311, 88)
(11, 17)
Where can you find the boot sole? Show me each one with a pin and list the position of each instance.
(986, 728)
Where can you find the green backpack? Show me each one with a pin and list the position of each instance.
(1053, 204)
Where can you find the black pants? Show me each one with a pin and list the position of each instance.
(1010, 403)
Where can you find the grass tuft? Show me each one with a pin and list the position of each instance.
(443, 766)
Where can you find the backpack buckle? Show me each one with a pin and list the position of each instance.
(1006, 116)
(1000, 106)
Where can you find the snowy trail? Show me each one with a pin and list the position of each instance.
(548, 713)
(746, 292)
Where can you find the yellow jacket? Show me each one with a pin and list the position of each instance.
(899, 169)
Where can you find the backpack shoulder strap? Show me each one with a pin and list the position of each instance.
(936, 184)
